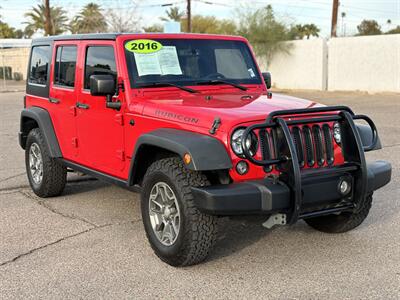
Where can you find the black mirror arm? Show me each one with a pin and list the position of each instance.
(114, 105)
(111, 104)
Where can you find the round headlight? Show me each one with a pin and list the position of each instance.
(236, 142)
(337, 134)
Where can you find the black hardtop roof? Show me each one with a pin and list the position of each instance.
(104, 36)
(88, 36)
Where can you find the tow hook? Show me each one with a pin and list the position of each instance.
(277, 219)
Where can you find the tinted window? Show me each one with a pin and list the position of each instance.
(39, 64)
(224, 65)
(64, 69)
(99, 60)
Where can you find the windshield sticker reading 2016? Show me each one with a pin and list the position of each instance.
(143, 46)
(152, 58)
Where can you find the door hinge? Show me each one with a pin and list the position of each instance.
(121, 155)
(75, 142)
(119, 118)
(73, 110)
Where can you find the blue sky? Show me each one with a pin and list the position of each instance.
(292, 11)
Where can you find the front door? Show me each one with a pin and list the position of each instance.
(100, 129)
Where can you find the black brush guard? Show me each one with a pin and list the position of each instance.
(288, 163)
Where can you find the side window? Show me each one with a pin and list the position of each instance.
(99, 60)
(64, 68)
(39, 65)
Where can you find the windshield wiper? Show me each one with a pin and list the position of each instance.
(161, 84)
(220, 81)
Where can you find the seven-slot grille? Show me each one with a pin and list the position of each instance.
(314, 145)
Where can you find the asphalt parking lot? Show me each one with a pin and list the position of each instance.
(90, 242)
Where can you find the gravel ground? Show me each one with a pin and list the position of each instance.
(90, 243)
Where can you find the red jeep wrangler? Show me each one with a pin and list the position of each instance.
(189, 121)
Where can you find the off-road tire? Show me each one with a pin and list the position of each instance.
(343, 222)
(54, 174)
(198, 231)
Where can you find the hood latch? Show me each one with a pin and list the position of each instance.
(215, 125)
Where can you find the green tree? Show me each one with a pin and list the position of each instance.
(153, 28)
(369, 27)
(210, 24)
(299, 31)
(89, 19)
(36, 19)
(296, 32)
(6, 31)
(311, 30)
(264, 31)
(394, 31)
(173, 14)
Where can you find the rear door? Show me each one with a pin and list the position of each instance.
(100, 129)
(62, 96)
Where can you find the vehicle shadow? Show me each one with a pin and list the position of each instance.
(81, 184)
(235, 234)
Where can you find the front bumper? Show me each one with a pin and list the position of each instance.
(269, 196)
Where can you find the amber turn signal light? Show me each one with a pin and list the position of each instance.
(187, 158)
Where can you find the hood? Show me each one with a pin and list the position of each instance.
(232, 109)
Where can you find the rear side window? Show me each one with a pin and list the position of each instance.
(39, 65)
(99, 60)
(64, 68)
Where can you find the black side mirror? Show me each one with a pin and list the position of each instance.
(267, 79)
(102, 85)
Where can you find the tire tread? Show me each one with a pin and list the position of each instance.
(200, 232)
(343, 222)
(54, 174)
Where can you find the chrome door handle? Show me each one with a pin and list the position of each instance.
(82, 105)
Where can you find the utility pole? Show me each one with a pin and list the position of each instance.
(47, 25)
(189, 16)
(335, 11)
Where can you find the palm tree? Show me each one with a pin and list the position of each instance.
(311, 30)
(90, 19)
(299, 31)
(173, 14)
(36, 19)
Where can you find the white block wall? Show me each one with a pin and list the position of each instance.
(368, 63)
(304, 67)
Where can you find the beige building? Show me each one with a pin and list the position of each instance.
(14, 56)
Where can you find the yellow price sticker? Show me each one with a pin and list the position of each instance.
(143, 46)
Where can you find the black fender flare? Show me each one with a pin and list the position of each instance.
(207, 153)
(43, 120)
(366, 136)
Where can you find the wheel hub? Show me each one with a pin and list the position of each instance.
(164, 213)
(36, 163)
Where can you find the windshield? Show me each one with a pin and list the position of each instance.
(189, 62)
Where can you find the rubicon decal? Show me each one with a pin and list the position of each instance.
(171, 115)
